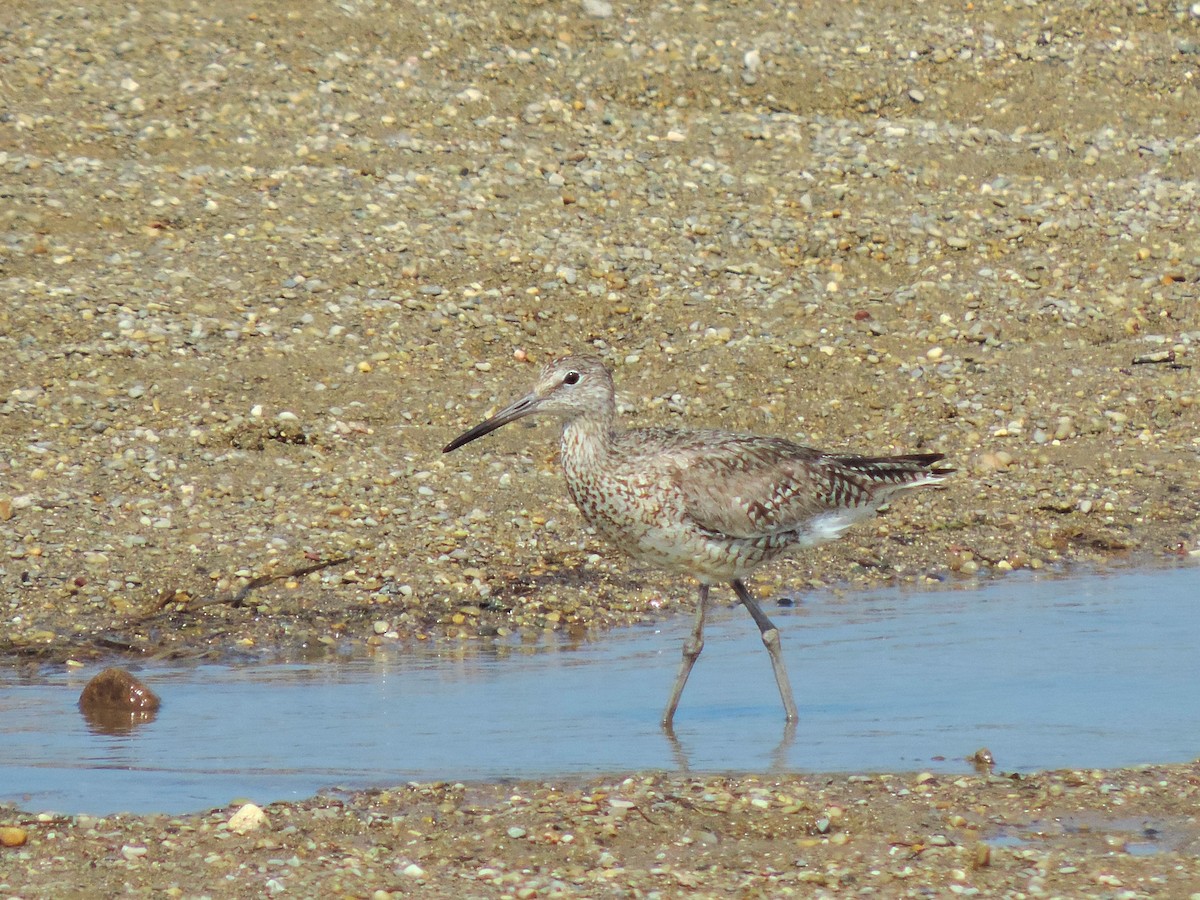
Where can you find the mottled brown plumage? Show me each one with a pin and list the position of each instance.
(712, 504)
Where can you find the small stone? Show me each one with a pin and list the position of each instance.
(993, 461)
(94, 559)
(516, 832)
(12, 836)
(982, 332)
(249, 817)
(412, 870)
(598, 9)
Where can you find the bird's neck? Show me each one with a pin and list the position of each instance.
(586, 439)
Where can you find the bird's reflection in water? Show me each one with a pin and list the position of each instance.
(779, 755)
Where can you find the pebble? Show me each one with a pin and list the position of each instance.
(598, 9)
(248, 817)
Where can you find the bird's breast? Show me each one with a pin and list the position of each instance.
(642, 514)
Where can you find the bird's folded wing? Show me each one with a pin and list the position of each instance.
(755, 487)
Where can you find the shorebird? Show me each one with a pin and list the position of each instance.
(715, 505)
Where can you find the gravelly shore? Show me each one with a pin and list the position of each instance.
(1128, 833)
(260, 261)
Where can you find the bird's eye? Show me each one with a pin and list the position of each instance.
(571, 378)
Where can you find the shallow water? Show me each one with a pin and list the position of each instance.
(1048, 672)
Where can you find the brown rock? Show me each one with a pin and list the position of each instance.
(116, 700)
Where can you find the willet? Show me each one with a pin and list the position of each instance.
(711, 504)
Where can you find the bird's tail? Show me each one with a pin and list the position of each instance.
(911, 470)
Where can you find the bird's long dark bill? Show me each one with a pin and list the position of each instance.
(510, 413)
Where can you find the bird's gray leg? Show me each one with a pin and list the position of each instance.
(770, 638)
(691, 652)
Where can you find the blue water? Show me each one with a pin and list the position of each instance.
(1047, 672)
